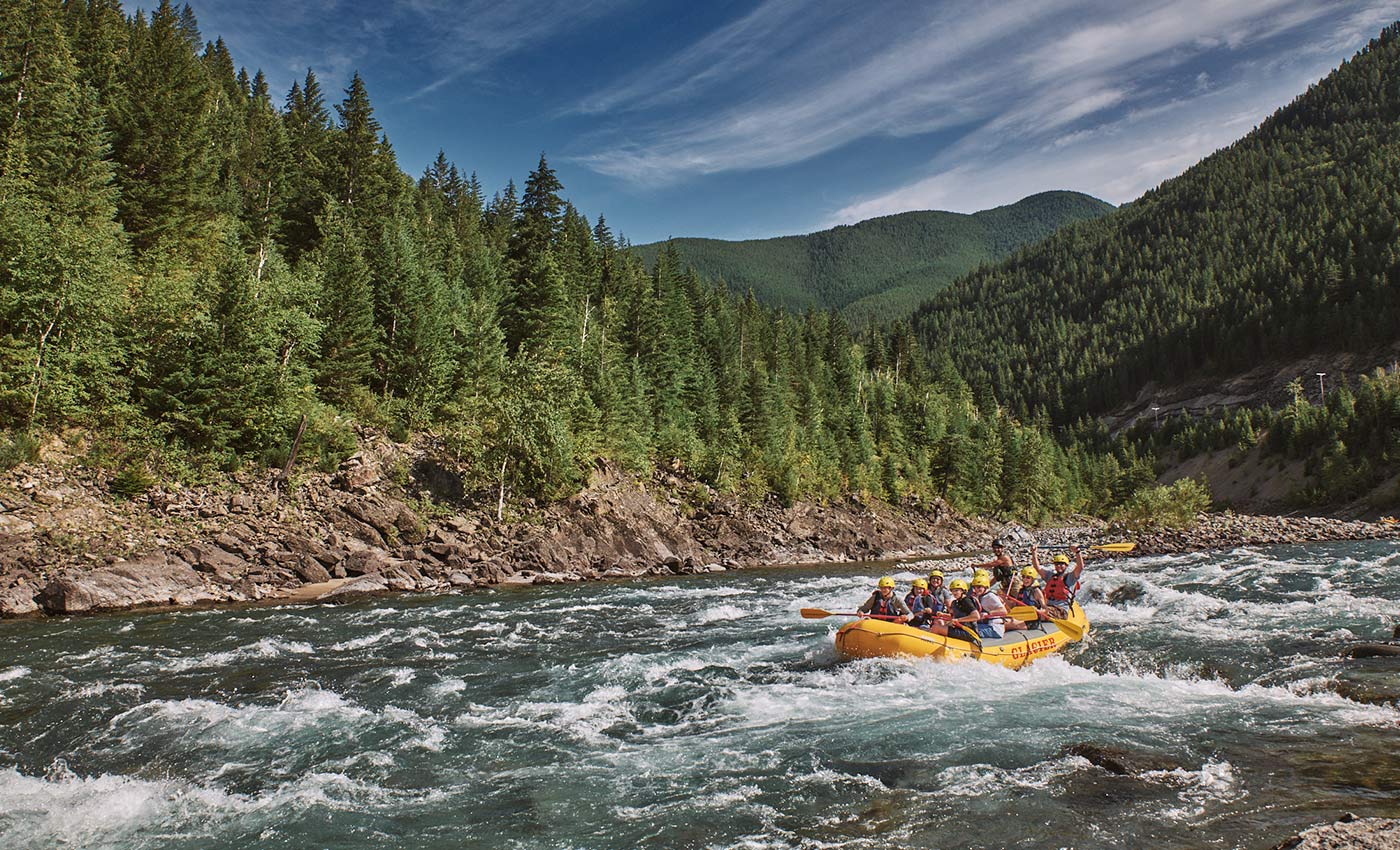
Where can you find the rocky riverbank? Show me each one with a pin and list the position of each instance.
(67, 546)
(382, 523)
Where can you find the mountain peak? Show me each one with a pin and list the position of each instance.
(882, 267)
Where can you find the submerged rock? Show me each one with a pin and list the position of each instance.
(1118, 760)
(1372, 690)
(1130, 592)
(1373, 650)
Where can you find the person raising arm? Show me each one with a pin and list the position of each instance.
(1061, 583)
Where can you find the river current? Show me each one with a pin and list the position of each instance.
(702, 712)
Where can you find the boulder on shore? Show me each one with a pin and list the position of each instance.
(355, 590)
(18, 602)
(153, 580)
(1349, 833)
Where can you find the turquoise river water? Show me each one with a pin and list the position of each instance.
(704, 713)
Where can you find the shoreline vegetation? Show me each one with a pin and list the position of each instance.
(68, 545)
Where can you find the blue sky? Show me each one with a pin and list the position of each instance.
(750, 118)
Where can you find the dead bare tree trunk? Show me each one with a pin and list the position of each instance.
(501, 494)
(286, 474)
(38, 379)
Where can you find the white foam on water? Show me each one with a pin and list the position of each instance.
(430, 735)
(689, 590)
(203, 723)
(446, 688)
(897, 692)
(97, 653)
(1231, 619)
(587, 721)
(1215, 782)
(982, 780)
(825, 778)
(266, 648)
(14, 673)
(725, 799)
(363, 641)
(497, 719)
(397, 677)
(97, 689)
(721, 613)
(65, 809)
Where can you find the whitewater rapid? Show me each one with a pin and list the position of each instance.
(703, 712)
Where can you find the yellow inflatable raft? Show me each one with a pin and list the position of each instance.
(881, 639)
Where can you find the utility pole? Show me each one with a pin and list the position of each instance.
(1321, 393)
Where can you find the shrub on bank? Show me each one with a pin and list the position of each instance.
(1166, 506)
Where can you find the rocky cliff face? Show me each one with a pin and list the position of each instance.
(67, 546)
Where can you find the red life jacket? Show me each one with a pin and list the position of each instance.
(1057, 590)
(884, 607)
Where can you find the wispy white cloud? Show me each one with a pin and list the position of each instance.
(1116, 160)
(1101, 95)
(439, 40)
(466, 36)
(890, 74)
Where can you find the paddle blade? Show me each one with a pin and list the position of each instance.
(1115, 547)
(814, 613)
(1072, 630)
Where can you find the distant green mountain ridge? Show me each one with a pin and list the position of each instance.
(884, 267)
(1284, 244)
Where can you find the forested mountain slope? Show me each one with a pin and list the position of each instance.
(1285, 243)
(883, 267)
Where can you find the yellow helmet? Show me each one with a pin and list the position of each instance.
(981, 581)
(1061, 559)
(958, 584)
(935, 574)
(887, 582)
(920, 583)
(1029, 572)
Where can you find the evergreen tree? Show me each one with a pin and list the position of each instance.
(161, 135)
(309, 140)
(346, 310)
(60, 284)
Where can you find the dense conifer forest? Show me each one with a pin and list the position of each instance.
(193, 265)
(1285, 243)
(882, 268)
